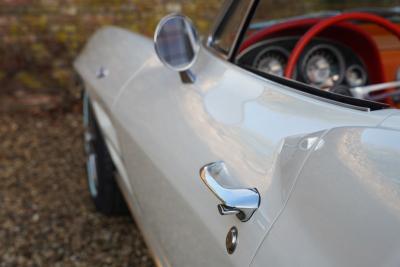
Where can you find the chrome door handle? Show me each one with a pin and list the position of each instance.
(242, 202)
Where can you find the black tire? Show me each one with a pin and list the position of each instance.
(100, 169)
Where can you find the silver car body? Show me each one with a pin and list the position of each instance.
(328, 174)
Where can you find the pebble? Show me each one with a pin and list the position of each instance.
(46, 215)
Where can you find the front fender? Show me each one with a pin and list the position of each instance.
(345, 209)
(119, 54)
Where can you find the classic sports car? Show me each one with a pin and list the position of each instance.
(273, 142)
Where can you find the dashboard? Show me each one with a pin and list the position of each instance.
(325, 64)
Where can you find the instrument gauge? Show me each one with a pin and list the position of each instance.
(323, 67)
(356, 76)
(272, 60)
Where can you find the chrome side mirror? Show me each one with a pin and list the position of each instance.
(177, 45)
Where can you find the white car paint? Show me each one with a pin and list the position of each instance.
(392, 122)
(270, 137)
(345, 210)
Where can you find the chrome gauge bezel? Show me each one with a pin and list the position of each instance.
(363, 75)
(282, 51)
(335, 51)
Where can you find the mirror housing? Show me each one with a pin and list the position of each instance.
(177, 45)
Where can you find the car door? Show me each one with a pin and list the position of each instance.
(167, 136)
(261, 130)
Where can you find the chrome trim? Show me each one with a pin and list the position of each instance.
(242, 202)
(91, 157)
(214, 51)
(241, 28)
(231, 240)
(92, 175)
(220, 18)
(362, 92)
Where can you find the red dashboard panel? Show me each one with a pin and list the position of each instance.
(348, 34)
(378, 49)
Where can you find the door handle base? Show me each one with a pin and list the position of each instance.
(225, 210)
(242, 202)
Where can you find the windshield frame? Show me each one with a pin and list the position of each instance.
(222, 18)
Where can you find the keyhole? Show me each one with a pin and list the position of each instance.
(232, 240)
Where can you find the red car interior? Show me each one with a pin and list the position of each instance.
(359, 37)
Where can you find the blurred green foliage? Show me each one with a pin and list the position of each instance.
(41, 38)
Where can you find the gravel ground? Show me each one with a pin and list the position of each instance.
(46, 215)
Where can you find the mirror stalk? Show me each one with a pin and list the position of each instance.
(187, 76)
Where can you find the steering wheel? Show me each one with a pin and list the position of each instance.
(322, 25)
